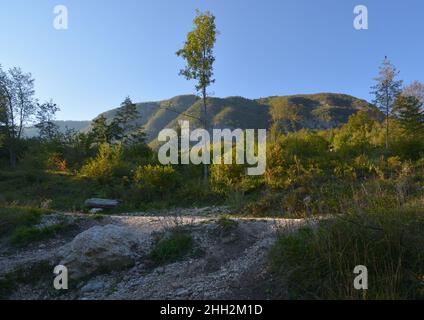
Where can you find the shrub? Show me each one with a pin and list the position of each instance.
(55, 162)
(269, 203)
(194, 192)
(364, 167)
(138, 154)
(106, 165)
(357, 135)
(408, 148)
(171, 247)
(154, 180)
(297, 159)
(225, 177)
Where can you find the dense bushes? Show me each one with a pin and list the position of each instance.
(295, 159)
(106, 165)
(156, 180)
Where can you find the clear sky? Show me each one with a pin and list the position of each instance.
(115, 48)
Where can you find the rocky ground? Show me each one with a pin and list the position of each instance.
(108, 258)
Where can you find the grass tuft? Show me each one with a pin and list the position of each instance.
(172, 247)
(226, 224)
(26, 235)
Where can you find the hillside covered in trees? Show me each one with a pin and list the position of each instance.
(279, 113)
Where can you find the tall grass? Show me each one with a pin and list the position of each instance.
(318, 263)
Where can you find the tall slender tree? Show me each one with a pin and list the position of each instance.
(386, 90)
(199, 56)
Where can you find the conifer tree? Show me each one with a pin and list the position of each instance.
(410, 114)
(386, 90)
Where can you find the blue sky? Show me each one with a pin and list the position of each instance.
(115, 48)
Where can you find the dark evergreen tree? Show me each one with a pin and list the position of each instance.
(124, 126)
(410, 114)
(100, 131)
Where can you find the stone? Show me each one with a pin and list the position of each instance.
(98, 250)
(182, 292)
(101, 203)
(95, 210)
(93, 286)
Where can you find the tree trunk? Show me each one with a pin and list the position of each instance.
(205, 125)
(387, 121)
(387, 132)
(12, 157)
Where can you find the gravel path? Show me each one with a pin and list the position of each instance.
(232, 265)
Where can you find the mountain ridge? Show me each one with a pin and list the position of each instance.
(284, 113)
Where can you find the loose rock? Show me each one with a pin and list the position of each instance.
(100, 249)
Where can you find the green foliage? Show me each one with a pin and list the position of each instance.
(107, 165)
(14, 217)
(19, 107)
(48, 130)
(226, 177)
(199, 56)
(408, 147)
(411, 115)
(123, 127)
(56, 163)
(195, 193)
(358, 135)
(267, 204)
(26, 235)
(198, 51)
(100, 130)
(287, 116)
(171, 247)
(138, 154)
(66, 191)
(296, 158)
(154, 180)
(18, 224)
(319, 263)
